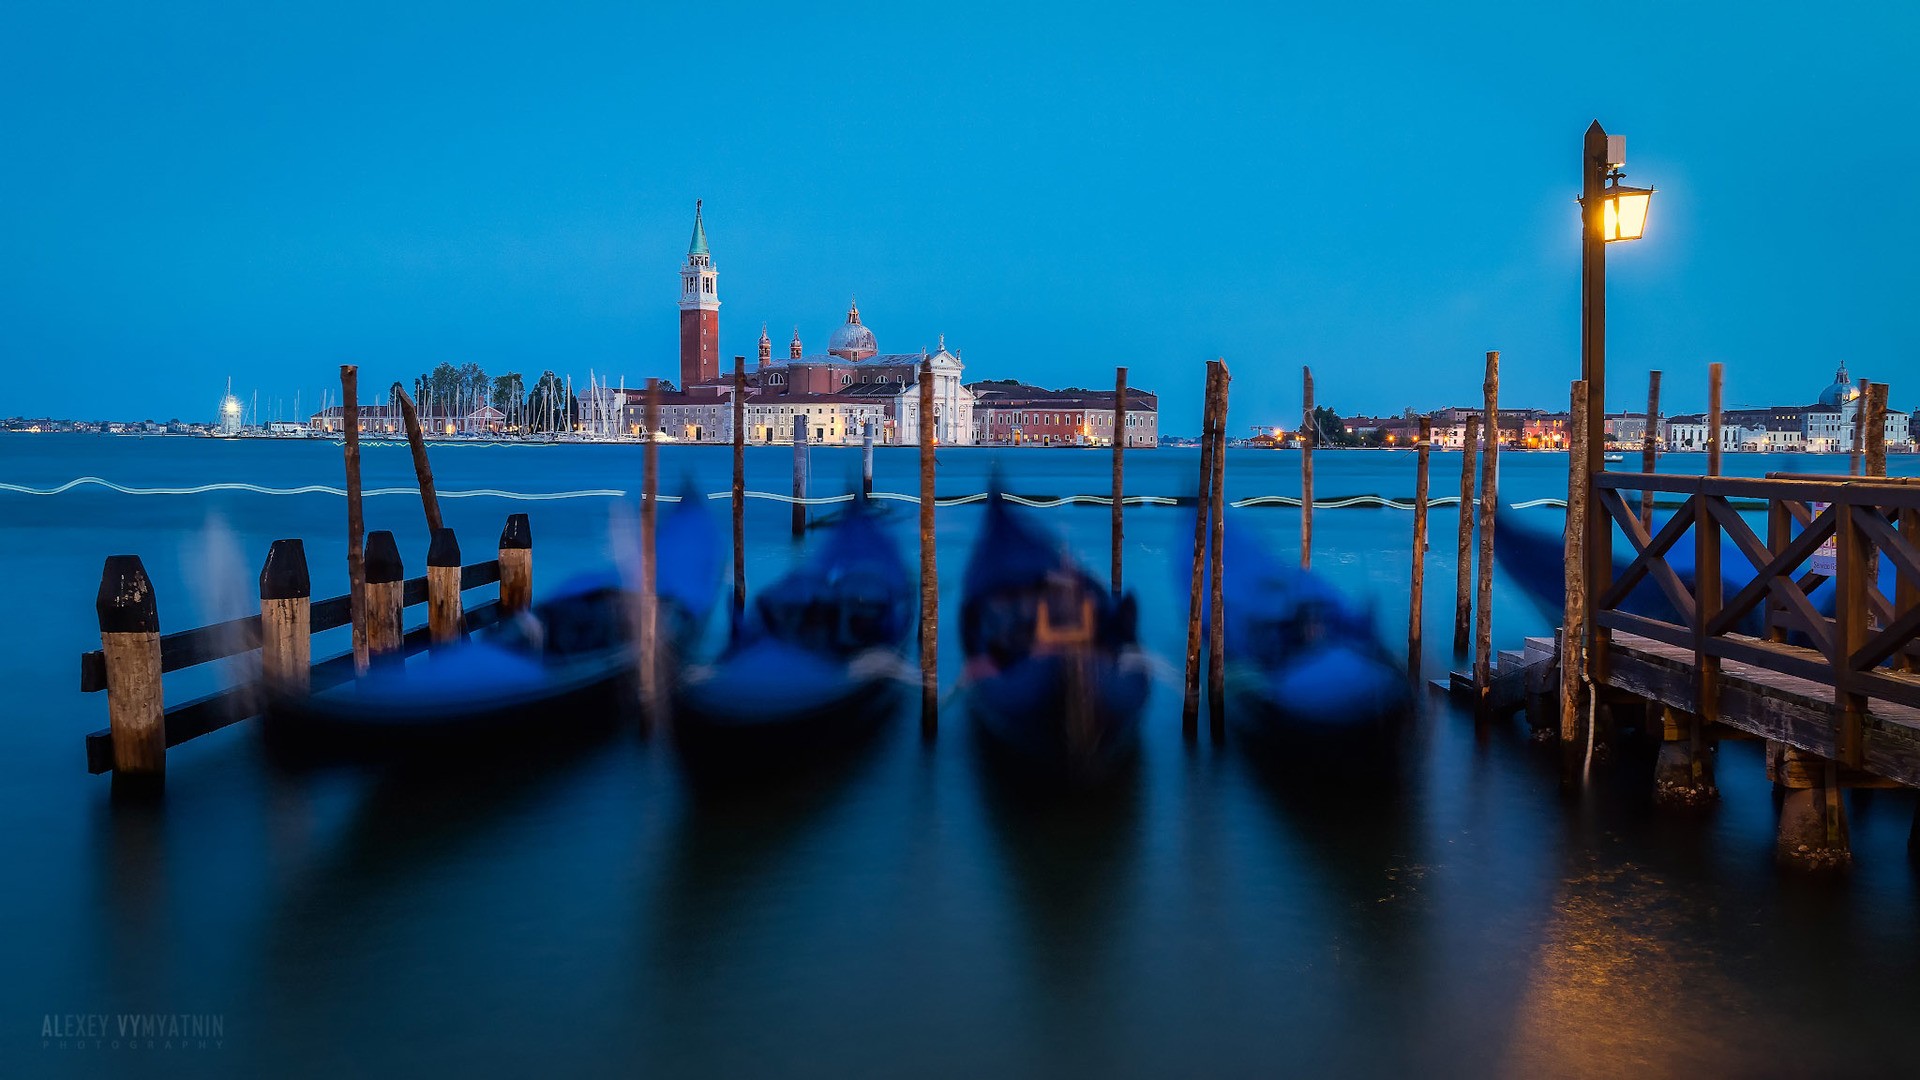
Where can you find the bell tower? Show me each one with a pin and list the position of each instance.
(699, 311)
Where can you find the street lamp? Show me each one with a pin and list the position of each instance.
(1610, 212)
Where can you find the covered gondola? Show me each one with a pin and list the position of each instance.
(1055, 679)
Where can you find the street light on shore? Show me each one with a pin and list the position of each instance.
(1610, 212)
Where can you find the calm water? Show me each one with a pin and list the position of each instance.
(899, 915)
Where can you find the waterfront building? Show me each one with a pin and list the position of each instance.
(1833, 420)
(699, 310)
(1007, 412)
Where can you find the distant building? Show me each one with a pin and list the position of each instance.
(1011, 413)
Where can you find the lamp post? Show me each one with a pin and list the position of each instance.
(1610, 212)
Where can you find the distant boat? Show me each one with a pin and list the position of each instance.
(1613, 459)
(1055, 679)
(819, 667)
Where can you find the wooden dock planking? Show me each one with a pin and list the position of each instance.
(1769, 704)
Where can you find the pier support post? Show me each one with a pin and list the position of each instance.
(1417, 587)
(130, 637)
(516, 565)
(446, 618)
(800, 470)
(1573, 628)
(385, 599)
(1463, 558)
(1813, 817)
(1684, 772)
(929, 567)
(286, 619)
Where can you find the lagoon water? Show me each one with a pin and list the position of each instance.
(899, 915)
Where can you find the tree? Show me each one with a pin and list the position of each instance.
(550, 407)
(507, 392)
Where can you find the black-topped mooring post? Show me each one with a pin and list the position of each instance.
(445, 616)
(385, 599)
(516, 565)
(286, 619)
(130, 637)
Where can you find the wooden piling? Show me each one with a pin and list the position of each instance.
(1716, 385)
(1876, 423)
(1650, 445)
(1216, 603)
(929, 566)
(130, 637)
(1190, 703)
(1573, 633)
(356, 527)
(516, 565)
(1417, 587)
(286, 619)
(866, 459)
(649, 643)
(1489, 500)
(446, 618)
(1310, 433)
(385, 599)
(1463, 560)
(1119, 468)
(800, 472)
(739, 492)
(422, 472)
(1856, 460)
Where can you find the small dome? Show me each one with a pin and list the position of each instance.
(1842, 391)
(852, 341)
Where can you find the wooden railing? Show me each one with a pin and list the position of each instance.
(135, 655)
(1867, 648)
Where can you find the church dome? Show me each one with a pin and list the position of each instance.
(852, 341)
(1842, 391)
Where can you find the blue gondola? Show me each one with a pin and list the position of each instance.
(817, 666)
(559, 670)
(1305, 667)
(1054, 679)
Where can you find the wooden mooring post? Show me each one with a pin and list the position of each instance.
(1216, 552)
(1119, 468)
(1650, 445)
(1463, 557)
(1716, 414)
(446, 618)
(386, 600)
(1417, 587)
(422, 471)
(286, 616)
(1190, 702)
(800, 472)
(356, 527)
(739, 492)
(866, 459)
(649, 637)
(929, 566)
(1310, 433)
(1489, 501)
(1573, 629)
(1876, 414)
(129, 617)
(516, 565)
(1856, 460)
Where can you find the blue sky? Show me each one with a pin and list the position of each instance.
(191, 192)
